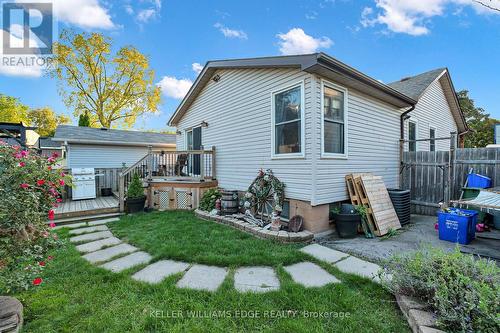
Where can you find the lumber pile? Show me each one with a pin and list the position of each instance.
(368, 190)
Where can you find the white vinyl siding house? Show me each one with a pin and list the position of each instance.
(94, 156)
(244, 135)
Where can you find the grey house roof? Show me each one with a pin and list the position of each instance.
(415, 86)
(76, 134)
(316, 63)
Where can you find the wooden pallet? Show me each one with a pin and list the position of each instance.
(356, 200)
(373, 194)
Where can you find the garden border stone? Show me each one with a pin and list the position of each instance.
(280, 236)
(11, 314)
(420, 319)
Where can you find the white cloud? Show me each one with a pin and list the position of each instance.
(296, 41)
(312, 15)
(16, 65)
(197, 67)
(173, 87)
(412, 16)
(129, 9)
(85, 14)
(230, 33)
(145, 15)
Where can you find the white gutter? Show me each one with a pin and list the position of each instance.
(114, 143)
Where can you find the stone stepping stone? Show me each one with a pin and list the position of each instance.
(71, 226)
(256, 279)
(108, 253)
(104, 221)
(310, 275)
(98, 244)
(91, 237)
(123, 263)
(353, 265)
(160, 270)
(88, 230)
(201, 277)
(324, 253)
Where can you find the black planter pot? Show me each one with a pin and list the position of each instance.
(106, 192)
(346, 224)
(136, 205)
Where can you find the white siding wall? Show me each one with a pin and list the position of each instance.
(373, 146)
(432, 110)
(238, 112)
(95, 156)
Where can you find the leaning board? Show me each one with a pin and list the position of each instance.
(379, 203)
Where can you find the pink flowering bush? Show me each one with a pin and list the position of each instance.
(30, 188)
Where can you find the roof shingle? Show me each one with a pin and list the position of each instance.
(415, 86)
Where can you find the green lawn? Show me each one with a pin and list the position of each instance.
(78, 297)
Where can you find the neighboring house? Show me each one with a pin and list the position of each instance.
(310, 118)
(437, 112)
(88, 147)
(47, 147)
(497, 134)
(18, 134)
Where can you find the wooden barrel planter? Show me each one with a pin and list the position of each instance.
(229, 202)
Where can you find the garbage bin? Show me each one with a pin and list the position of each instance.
(457, 225)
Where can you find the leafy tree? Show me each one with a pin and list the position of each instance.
(46, 120)
(84, 120)
(115, 89)
(480, 124)
(12, 110)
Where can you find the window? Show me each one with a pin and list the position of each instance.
(189, 139)
(432, 136)
(288, 123)
(334, 124)
(412, 135)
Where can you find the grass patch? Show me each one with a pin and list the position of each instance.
(78, 297)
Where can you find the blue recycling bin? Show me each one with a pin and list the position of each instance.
(457, 225)
(478, 181)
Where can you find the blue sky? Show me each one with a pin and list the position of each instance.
(386, 39)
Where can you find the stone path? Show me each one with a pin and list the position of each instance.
(99, 247)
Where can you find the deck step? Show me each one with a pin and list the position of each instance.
(87, 218)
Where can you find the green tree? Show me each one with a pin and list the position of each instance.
(84, 120)
(12, 110)
(46, 120)
(114, 88)
(479, 121)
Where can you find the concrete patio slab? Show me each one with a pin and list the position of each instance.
(71, 226)
(256, 279)
(310, 275)
(158, 271)
(108, 253)
(123, 263)
(98, 244)
(87, 230)
(91, 237)
(201, 277)
(104, 221)
(324, 253)
(353, 265)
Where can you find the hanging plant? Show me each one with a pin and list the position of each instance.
(265, 195)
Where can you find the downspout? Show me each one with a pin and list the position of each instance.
(403, 117)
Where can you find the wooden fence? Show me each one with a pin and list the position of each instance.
(435, 177)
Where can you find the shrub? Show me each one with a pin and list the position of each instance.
(207, 202)
(30, 187)
(462, 290)
(135, 189)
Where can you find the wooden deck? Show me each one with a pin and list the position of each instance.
(100, 205)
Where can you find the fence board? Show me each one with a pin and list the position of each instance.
(426, 173)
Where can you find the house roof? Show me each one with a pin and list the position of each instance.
(104, 136)
(316, 63)
(47, 142)
(416, 86)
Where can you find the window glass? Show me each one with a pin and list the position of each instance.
(333, 115)
(287, 120)
(412, 135)
(432, 142)
(189, 140)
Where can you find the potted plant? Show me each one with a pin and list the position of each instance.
(346, 220)
(135, 195)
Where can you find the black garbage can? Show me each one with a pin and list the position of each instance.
(347, 221)
(401, 200)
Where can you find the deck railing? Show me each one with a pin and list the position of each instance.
(188, 164)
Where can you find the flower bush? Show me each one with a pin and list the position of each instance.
(463, 291)
(209, 198)
(30, 187)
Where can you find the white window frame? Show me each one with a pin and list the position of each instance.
(435, 136)
(327, 155)
(186, 131)
(302, 154)
(416, 133)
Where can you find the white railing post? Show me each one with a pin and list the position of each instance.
(202, 164)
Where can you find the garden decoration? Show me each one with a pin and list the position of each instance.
(264, 197)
